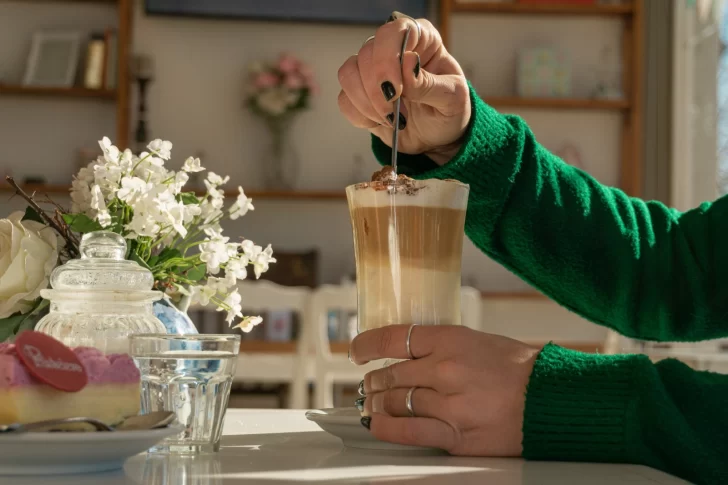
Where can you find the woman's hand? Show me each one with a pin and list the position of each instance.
(470, 388)
(435, 97)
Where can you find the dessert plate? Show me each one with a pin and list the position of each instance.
(345, 424)
(62, 452)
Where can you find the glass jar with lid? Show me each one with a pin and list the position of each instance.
(101, 298)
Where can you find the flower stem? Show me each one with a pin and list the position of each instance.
(60, 229)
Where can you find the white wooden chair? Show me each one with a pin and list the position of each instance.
(262, 296)
(471, 308)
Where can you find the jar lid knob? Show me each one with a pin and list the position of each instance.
(103, 245)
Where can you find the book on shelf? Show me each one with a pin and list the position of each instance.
(112, 59)
(100, 69)
(93, 77)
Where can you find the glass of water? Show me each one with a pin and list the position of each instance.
(191, 376)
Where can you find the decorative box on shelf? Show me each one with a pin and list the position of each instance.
(544, 72)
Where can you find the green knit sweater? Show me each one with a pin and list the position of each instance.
(638, 267)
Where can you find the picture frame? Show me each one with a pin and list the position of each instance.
(53, 59)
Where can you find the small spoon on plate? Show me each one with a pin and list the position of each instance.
(154, 420)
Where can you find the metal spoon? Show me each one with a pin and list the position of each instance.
(154, 420)
(22, 428)
(157, 419)
(397, 104)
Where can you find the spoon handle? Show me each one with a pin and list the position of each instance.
(397, 105)
(22, 428)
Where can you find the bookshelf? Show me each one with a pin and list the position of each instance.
(255, 194)
(74, 92)
(119, 96)
(632, 52)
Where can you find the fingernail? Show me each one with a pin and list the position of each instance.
(366, 422)
(388, 90)
(417, 66)
(350, 357)
(361, 389)
(359, 403)
(402, 120)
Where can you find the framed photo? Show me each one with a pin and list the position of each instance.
(326, 11)
(53, 60)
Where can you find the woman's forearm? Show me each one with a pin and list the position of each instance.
(624, 408)
(645, 270)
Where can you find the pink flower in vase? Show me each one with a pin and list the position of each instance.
(293, 81)
(288, 64)
(266, 80)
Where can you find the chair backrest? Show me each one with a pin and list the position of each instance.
(266, 296)
(471, 308)
(322, 300)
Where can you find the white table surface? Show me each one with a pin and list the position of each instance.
(281, 446)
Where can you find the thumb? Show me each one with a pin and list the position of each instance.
(447, 93)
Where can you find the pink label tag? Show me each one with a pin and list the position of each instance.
(51, 362)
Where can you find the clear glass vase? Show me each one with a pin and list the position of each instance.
(281, 161)
(100, 299)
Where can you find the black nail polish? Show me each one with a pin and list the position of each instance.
(417, 66)
(366, 421)
(402, 120)
(359, 403)
(361, 389)
(388, 90)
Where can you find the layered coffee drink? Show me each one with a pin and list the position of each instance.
(408, 241)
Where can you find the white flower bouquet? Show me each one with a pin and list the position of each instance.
(174, 233)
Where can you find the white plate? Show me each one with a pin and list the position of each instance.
(345, 424)
(74, 452)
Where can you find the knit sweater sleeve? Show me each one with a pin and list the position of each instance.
(625, 409)
(638, 267)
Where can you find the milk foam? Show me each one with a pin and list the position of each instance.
(449, 194)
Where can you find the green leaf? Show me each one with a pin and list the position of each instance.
(17, 323)
(32, 215)
(188, 198)
(196, 273)
(81, 223)
(135, 257)
(168, 253)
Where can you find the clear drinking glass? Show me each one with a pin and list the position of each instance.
(408, 242)
(191, 376)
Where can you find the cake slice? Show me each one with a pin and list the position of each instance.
(112, 392)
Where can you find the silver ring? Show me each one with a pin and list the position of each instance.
(371, 37)
(408, 402)
(409, 337)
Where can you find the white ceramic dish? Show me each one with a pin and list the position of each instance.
(345, 424)
(74, 452)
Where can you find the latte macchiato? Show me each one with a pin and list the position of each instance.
(408, 240)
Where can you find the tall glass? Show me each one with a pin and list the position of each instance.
(408, 241)
(190, 375)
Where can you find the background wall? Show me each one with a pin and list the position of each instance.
(196, 100)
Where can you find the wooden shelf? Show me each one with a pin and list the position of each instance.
(264, 347)
(541, 9)
(255, 195)
(75, 92)
(290, 195)
(557, 103)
